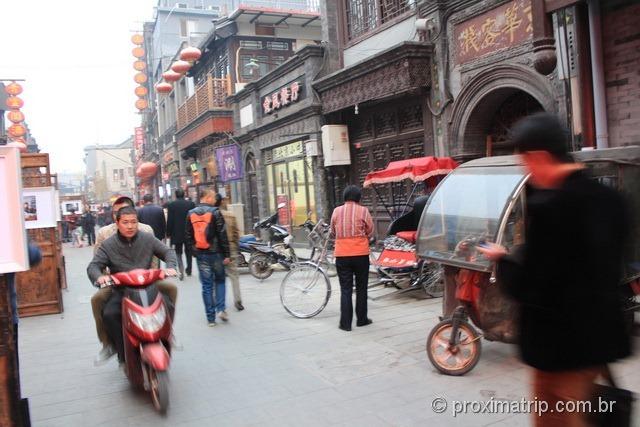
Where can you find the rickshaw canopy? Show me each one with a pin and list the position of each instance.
(416, 170)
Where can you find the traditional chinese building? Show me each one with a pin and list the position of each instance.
(277, 122)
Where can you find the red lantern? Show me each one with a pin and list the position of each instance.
(190, 54)
(171, 76)
(14, 103)
(180, 67)
(19, 145)
(142, 104)
(139, 65)
(13, 89)
(15, 116)
(141, 91)
(16, 130)
(138, 52)
(140, 78)
(137, 39)
(147, 170)
(164, 87)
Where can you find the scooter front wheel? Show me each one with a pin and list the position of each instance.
(159, 382)
(457, 358)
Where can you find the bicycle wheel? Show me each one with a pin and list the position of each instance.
(305, 290)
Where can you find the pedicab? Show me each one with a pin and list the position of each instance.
(397, 265)
(484, 201)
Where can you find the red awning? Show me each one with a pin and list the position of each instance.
(416, 170)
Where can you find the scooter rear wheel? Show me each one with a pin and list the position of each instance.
(159, 382)
(456, 359)
(260, 266)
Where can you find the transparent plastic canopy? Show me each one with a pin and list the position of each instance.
(468, 208)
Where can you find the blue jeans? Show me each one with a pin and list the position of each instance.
(211, 271)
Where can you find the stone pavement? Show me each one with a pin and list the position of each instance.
(266, 368)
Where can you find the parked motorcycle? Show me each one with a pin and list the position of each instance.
(147, 334)
(277, 254)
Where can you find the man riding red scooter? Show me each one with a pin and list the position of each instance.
(137, 317)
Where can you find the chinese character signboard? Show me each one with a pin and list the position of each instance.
(289, 150)
(281, 98)
(500, 28)
(138, 142)
(229, 164)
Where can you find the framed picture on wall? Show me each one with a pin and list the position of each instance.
(39, 207)
(13, 250)
(71, 206)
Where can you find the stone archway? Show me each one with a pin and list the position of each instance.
(490, 103)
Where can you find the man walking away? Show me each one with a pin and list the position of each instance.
(233, 235)
(206, 236)
(566, 276)
(89, 226)
(352, 226)
(176, 224)
(153, 215)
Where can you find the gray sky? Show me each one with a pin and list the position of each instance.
(76, 58)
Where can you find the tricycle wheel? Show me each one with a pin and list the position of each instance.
(457, 359)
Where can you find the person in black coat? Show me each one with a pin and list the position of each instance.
(153, 216)
(176, 224)
(89, 226)
(567, 275)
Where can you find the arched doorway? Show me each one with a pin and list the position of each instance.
(252, 183)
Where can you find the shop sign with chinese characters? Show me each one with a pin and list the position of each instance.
(500, 28)
(289, 150)
(281, 98)
(139, 142)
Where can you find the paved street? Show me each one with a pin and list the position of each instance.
(266, 368)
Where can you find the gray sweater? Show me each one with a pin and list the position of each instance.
(121, 255)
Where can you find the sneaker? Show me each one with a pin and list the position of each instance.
(223, 316)
(105, 354)
(239, 306)
(212, 323)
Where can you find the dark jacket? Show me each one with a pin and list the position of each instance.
(567, 276)
(177, 219)
(88, 221)
(120, 255)
(153, 216)
(216, 232)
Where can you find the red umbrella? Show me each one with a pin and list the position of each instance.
(419, 169)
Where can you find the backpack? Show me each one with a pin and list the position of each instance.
(201, 225)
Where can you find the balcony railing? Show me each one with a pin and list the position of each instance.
(209, 95)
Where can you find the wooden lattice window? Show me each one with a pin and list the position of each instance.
(366, 15)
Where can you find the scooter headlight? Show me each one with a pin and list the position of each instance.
(149, 322)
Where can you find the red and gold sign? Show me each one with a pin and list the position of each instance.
(14, 103)
(140, 78)
(13, 89)
(171, 76)
(180, 67)
(164, 87)
(141, 91)
(190, 54)
(139, 65)
(281, 98)
(137, 39)
(142, 104)
(138, 52)
(16, 130)
(501, 28)
(15, 116)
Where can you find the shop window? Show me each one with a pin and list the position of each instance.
(263, 61)
(247, 72)
(366, 15)
(278, 45)
(295, 181)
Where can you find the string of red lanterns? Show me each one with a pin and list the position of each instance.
(141, 78)
(178, 69)
(17, 130)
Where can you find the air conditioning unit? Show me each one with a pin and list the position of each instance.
(335, 145)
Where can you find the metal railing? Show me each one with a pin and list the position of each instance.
(209, 95)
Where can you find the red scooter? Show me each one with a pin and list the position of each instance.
(146, 328)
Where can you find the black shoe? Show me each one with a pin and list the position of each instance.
(188, 273)
(239, 306)
(365, 323)
(345, 329)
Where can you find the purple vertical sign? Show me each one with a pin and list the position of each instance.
(229, 164)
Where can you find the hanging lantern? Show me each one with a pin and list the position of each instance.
(171, 76)
(139, 65)
(16, 130)
(140, 78)
(180, 67)
(13, 89)
(137, 39)
(190, 54)
(19, 145)
(14, 103)
(15, 116)
(147, 170)
(138, 52)
(164, 87)
(142, 104)
(141, 91)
